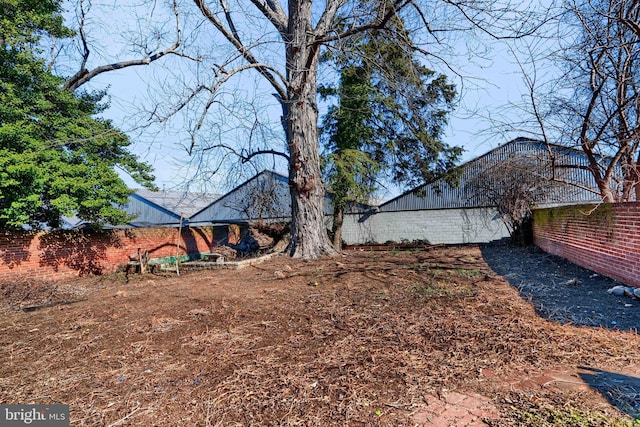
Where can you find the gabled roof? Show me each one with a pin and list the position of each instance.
(177, 202)
(163, 208)
(440, 195)
(224, 208)
(269, 174)
(71, 222)
(247, 202)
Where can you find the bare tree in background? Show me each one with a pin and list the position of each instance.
(264, 203)
(514, 185)
(117, 37)
(261, 201)
(145, 50)
(604, 68)
(302, 29)
(281, 43)
(591, 101)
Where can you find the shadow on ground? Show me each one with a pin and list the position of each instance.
(560, 290)
(622, 391)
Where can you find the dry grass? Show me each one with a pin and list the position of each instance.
(354, 340)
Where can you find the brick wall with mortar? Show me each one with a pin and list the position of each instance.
(604, 238)
(436, 226)
(61, 255)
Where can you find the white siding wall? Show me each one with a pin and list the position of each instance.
(448, 226)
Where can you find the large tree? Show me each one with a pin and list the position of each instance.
(513, 184)
(56, 157)
(388, 122)
(584, 83)
(604, 65)
(281, 42)
(304, 27)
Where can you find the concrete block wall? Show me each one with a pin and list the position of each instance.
(604, 238)
(61, 255)
(436, 226)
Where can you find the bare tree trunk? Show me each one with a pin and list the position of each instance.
(637, 183)
(634, 165)
(602, 181)
(605, 191)
(309, 238)
(338, 220)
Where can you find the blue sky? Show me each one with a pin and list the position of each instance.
(487, 88)
(488, 85)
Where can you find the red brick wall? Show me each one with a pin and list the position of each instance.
(66, 254)
(605, 239)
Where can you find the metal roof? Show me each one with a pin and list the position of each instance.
(240, 205)
(441, 195)
(178, 202)
(164, 208)
(266, 196)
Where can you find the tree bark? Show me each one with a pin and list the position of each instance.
(309, 238)
(637, 183)
(338, 220)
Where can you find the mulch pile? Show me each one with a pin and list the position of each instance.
(359, 339)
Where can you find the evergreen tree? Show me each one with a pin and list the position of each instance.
(388, 121)
(56, 157)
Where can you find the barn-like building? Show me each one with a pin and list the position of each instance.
(465, 212)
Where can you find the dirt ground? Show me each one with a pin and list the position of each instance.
(562, 291)
(367, 338)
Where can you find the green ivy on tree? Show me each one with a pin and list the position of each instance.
(57, 157)
(387, 123)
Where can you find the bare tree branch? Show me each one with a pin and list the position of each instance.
(244, 156)
(273, 12)
(84, 75)
(266, 72)
(247, 157)
(594, 103)
(380, 22)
